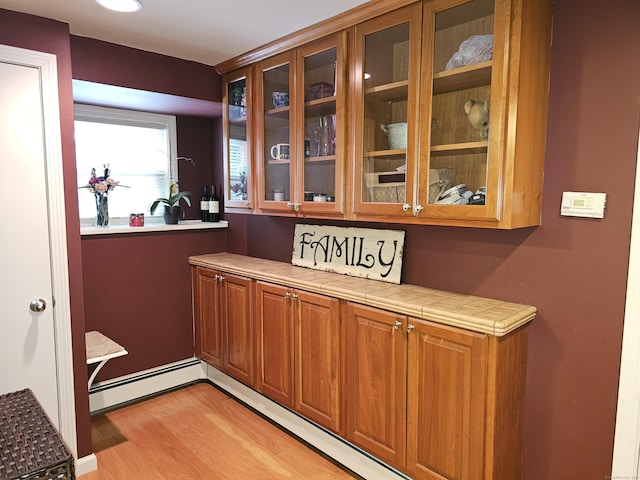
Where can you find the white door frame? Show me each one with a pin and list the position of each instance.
(626, 449)
(47, 66)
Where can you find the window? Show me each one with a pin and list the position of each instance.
(238, 161)
(140, 149)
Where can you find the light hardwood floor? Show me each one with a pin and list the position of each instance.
(200, 433)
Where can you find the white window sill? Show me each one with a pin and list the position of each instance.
(153, 227)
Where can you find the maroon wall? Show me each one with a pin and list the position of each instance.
(200, 140)
(154, 319)
(138, 292)
(102, 62)
(34, 33)
(573, 270)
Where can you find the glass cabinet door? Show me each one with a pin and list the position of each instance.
(276, 150)
(237, 118)
(320, 137)
(457, 179)
(386, 115)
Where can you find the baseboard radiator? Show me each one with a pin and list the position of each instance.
(140, 385)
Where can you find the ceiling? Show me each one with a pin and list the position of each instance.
(204, 31)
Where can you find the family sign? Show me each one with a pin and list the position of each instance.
(359, 252)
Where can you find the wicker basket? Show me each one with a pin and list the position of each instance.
(439, 180)
(30, 446)
(383, 187)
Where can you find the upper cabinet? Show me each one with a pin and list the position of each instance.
(483, 112)
(275, 145)
(384, 101)
(300, 129)
(441, 121)
(237, 130)
(321, 84)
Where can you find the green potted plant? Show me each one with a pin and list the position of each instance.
(171, 204)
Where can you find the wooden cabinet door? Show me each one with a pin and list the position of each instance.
(276, 149)
(375, 382)
(321, 125)
(384, 113)
(207, 310)
(237, 120)
(317, 365)
(446, 391)
(496, 160)
(238, 314)
(274, 349)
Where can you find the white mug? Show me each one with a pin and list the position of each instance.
(280, 151)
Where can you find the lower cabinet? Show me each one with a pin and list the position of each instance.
(208, 308)
(298, 351)
(434, 401)
(446, 391)
(223, 317)
(415, 393)
(375, 383)
(317, 358)
(274, 342)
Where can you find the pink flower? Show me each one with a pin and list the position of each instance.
(101, 185)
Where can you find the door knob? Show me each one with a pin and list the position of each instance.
(38, 305)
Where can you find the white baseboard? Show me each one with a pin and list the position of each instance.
(86, 464)
(342, 452)
(125, 389)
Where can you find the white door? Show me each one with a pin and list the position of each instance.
(27, 346)
(626, 449)
(35, 337)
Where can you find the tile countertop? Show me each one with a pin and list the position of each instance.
(477, 314)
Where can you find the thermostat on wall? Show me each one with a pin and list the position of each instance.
(583, 204)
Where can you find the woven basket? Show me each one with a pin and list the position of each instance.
(439, 180)
(30, 446)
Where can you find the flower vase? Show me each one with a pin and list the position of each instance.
(102, 210)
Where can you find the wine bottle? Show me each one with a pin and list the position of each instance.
(204, 205)
(214, 206)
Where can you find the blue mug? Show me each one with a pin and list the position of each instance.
(280, 99)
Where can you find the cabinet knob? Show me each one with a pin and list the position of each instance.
(287, 295)
(417, 209)
(397, 325)
(220, 278)
(289, 204)
(294, 296)
(248, 204)
(406, 207)
(296, 206)
(410, 328)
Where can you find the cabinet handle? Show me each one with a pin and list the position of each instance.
(248, 204)
(294, 296)
(296, 206)
(410, 328)
(289, 204)
(406, 207)
(220, 278)
(287, 295)
(417, 209)
(397, 325)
